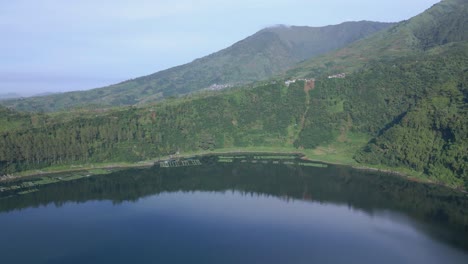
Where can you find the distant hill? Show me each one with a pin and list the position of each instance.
(266, 53)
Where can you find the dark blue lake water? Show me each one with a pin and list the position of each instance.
(235, 213)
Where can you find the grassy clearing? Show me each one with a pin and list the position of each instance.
(339, 152)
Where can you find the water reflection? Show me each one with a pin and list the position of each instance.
(434, 210)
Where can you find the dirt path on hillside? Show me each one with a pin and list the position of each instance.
(308, 86)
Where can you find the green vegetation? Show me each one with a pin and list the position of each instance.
(431, 137)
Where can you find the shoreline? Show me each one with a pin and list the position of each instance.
(150, 163)
(94, 166)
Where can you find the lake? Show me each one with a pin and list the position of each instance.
(237, 209)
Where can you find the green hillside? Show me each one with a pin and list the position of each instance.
(268, 52)
(443, 23)
(405, 110)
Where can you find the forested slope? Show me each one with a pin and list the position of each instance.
(432, 135)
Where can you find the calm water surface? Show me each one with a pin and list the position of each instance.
(237, 212)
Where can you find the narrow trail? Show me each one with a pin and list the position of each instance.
(308, 86)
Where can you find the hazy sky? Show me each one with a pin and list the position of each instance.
(56, 45)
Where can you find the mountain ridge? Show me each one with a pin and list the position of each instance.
(258, 57)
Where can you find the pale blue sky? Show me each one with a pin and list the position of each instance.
(57, 45)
